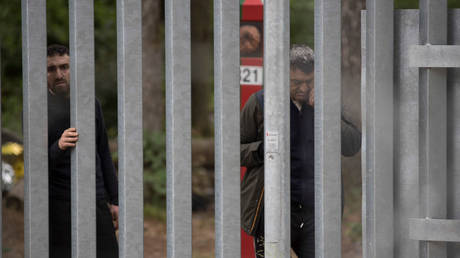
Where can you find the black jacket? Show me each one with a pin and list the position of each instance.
(302, 157)
(59, 160)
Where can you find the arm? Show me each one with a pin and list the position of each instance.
(108, 169)
(54, 152)
(67, 140)
(251, 148)
(351, 138)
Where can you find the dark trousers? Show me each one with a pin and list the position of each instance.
(60, 230)
(302, 233)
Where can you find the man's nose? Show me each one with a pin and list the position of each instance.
(60, 73)
(304, 87)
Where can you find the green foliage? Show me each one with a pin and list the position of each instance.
(453, 3)
(302, 22)
(154, 171)
(58, 32)
(406, 4)
(414, 4)
(11, 69)
(155, 211)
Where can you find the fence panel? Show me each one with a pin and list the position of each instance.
(178, 128)
(328, 105)
(130, 144)
(82, 117)
(35, 124)
(425, 168)
(227, 128)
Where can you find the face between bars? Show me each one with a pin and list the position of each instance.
(58, 70)
(302, 74)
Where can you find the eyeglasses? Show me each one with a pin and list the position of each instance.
(298, 83)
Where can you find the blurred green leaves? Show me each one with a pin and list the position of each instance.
(58, 32)
(155, 169)
(302, 22)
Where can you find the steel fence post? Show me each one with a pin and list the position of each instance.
(1, 166)
(130, 144)
(82, 117)
(227, 128)
(379, 129)
(35, 127)
(433, 161)
(453, 129)
(406, 133)
(328, 105)
(178, 128)
(277, 129)
(363, 128)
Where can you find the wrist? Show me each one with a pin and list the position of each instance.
(60, 146)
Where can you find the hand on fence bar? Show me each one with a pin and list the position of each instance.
(60, 133)
(114, 212)
(68, 139)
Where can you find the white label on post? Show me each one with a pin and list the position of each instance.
(272, 142)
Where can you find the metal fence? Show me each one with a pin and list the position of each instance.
(83, 118)
(178, 94)
(410, 110)
(410, 198)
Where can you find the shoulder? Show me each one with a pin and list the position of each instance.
(255, 101)
(98, 107)
(253, 110)
(98, 103)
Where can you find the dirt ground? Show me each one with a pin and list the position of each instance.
(154, 236)
(203, 225)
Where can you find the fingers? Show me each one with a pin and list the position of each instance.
(114, 212)
(68, 139)
(311, 99)
(115, 224)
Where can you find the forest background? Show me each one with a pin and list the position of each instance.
(301, 31)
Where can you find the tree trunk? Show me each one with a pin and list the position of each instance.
(202, 58)
(351, 58)
(153, 111)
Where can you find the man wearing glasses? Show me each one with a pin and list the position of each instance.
(302, 157)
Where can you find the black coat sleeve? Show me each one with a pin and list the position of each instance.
(351, 138)
(55, 153)
(250, 142)
(108, 169)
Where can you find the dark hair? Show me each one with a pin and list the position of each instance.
(302, 57)
(56, 49)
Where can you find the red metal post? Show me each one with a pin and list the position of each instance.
(251, 74)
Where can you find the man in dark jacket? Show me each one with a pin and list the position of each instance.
(302, 157)
(61, 139)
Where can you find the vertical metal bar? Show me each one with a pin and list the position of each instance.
(227, 128)
(82, 117)
(379, 128)
(406, 155)
(328, 105)
(35, 124)
(363, 127)
(433, 161)
(130, 144)
(277, 135)
(453, 129)
(178, 128)
(1, 163)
